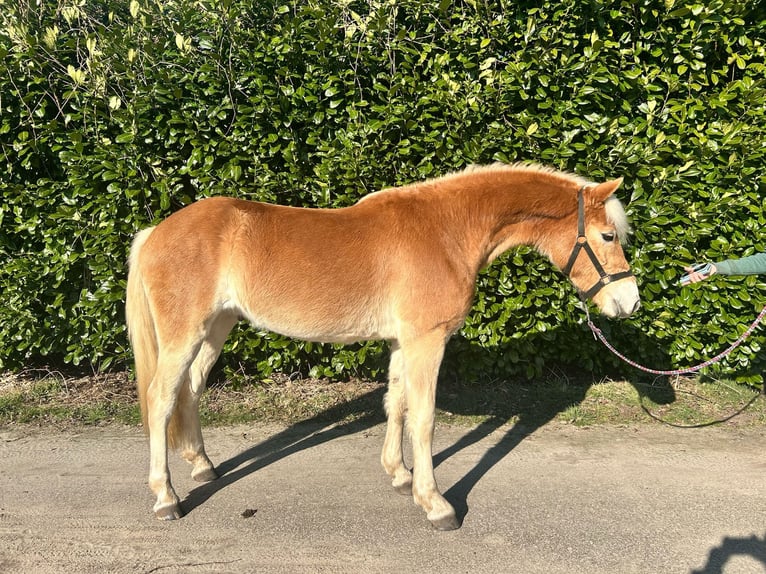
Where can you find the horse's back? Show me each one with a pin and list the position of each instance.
(319, 274)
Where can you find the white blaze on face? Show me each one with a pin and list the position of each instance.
(621, 298)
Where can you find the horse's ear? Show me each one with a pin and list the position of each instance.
(602, 191)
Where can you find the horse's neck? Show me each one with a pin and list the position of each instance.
(498, 215)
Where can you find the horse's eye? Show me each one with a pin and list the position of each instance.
(608, 237)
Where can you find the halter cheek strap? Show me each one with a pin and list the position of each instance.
(582, 244)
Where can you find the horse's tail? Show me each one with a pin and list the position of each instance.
(141, 330)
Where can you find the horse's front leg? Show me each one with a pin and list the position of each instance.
(422, 358)
(396, 409)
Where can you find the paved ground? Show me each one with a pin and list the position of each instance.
(564, 500)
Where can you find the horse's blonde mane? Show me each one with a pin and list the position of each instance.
(498, 167)
(517, 167)
(615, 214)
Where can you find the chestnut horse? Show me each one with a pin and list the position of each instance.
(401, 265)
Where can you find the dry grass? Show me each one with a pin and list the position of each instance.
(50, 398)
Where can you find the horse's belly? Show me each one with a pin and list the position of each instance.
(323, 333)
(335, 326)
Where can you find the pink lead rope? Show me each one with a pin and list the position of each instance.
(598, 334)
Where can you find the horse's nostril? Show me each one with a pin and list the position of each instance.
(636, 306)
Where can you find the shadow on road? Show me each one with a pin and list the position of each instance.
(300, 436)
(503, 402)
(719, 556)
(536, 409)
(531, 415)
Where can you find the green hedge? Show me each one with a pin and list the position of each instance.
(116, 113)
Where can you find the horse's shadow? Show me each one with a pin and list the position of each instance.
(303, 435)
(527, 409)
(531, 413)
(729, 548)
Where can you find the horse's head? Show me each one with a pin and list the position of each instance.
(596, 263)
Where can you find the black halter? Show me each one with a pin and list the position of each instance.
(582, 243)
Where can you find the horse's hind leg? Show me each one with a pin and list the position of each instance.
(162, 398)
(396, 409)
(190, 437)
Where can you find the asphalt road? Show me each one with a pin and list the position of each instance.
(308, 499)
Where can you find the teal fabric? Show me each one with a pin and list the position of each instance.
(753, 265)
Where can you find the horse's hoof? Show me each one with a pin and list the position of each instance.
(448, 522)
(205, 475)
(171, 512)
(405, 488)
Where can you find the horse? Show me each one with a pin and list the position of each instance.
(399, 265)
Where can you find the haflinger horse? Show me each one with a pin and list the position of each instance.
(400, 265)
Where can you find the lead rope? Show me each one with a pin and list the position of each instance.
(597, 334)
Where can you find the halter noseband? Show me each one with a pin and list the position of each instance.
(582, 243)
